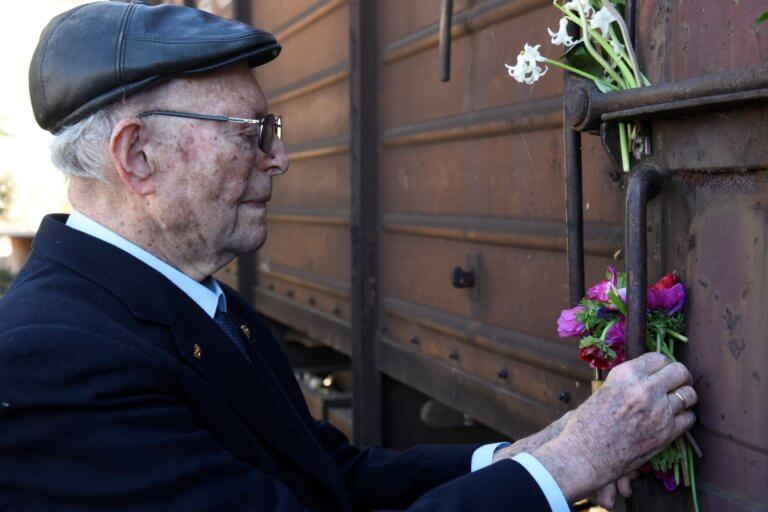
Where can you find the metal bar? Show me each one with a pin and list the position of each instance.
(644, 184)
(529, 350)
(602, 239)
(574, 215)
(306, 216)
(588, 106)
(330, 330)
(524, 117)
(690, 105)
(364, 235)
(446, 22)
(318, 148)
(498, 407)
(466, 22)
(309, 16)
(327, 77)
(306, 279)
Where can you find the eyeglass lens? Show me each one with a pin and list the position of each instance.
(271, 128)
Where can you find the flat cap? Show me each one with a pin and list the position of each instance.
(98, 53)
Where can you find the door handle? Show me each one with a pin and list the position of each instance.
(644, 184)
(446, 20)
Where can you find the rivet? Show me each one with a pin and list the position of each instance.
(197, 352)
(415, 340)
(454, 355)
(246, 331)
(289, 293)
(312, 301)
(503, 374)
(337, 311)
(564, 397)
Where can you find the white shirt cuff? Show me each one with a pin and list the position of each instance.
(548, 486)
(483, 456)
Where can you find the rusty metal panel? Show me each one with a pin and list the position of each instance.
(472, 176)
(302, 273)
(709, 223)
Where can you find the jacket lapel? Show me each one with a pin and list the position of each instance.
(252, 390)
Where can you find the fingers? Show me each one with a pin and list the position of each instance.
(624, 486)
(648, 364)
(683, 422)
(682, 398)
(606, 497)
(671, 377)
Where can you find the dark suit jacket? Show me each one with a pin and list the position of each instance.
(104, 405)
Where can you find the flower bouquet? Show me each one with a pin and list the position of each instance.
(600, 323)
(600, 54)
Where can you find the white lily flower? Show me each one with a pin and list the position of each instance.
(519, 70)
(572, 6)
(527, 70)
(561, 37)
(602, 21)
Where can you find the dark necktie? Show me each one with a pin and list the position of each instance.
(232, 331)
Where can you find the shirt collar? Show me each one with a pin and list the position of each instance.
(206, 294)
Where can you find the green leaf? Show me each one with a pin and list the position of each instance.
(602, 86)
(578, 57)
(763, 17)
(617, 302)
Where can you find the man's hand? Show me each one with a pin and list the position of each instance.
(606, 497)
(532, 442)
(633, 416)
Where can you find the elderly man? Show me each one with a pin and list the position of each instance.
(131, 380)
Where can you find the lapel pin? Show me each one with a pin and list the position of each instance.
(197, 352)
(245, 330)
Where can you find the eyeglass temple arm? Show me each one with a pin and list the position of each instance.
(208, 117)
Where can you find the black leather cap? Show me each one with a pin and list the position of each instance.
(98, 53)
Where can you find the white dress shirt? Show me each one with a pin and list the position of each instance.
(210, 297)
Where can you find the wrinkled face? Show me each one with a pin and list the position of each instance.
(213, 182)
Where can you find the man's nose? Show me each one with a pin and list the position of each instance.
(277, 159)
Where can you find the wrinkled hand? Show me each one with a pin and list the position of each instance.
(606, 497)
(633, 416)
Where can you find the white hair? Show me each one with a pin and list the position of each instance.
(81, 149)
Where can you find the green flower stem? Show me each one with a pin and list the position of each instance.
(594, 54)
(622, 53)
(625, 71)
(605, 331)
(624, 147)
(678, 336)
(677, 473)
(664, 349)
(689, 456)
(625, 58)
(682, 449)
(575, 71)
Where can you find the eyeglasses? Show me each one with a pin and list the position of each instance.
(270, 126)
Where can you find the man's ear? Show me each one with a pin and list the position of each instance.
(126, 149)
